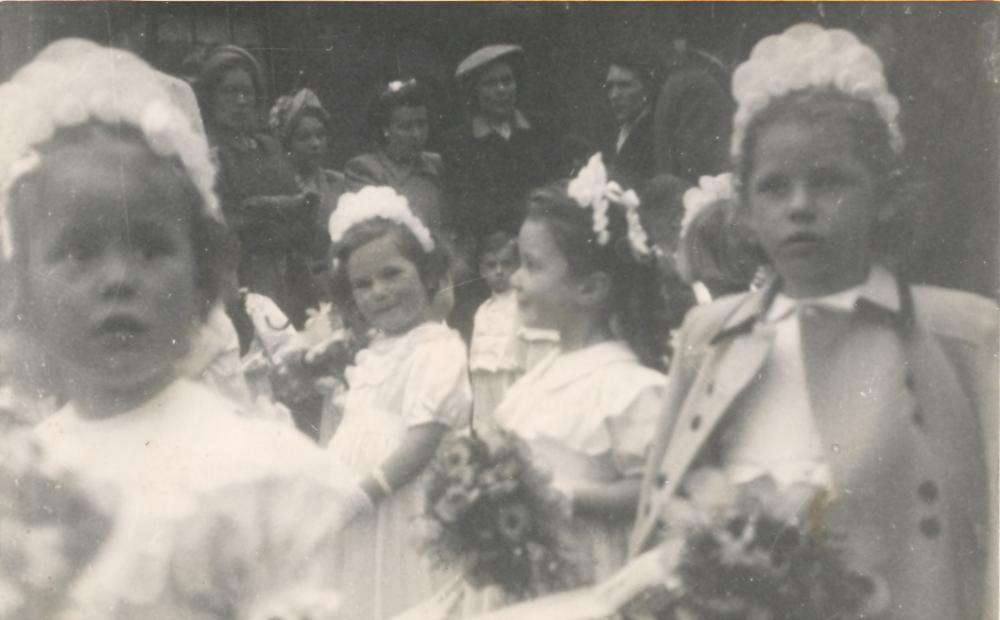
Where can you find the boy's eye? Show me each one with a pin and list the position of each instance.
(827, 179)
(79, 249)
(154, 247)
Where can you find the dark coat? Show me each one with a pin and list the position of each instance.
(634, 165)
(692, 124)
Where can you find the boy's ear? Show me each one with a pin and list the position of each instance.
(594, 289)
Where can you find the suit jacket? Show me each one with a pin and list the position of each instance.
(633, 165)
(905, 400)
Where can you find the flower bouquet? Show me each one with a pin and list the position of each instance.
(312, 366)
(489, 510)
(752, 551)
(49, 531)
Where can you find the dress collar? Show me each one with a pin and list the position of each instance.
(564, 368)
(879, 292)
(482, 128)
(400, 172)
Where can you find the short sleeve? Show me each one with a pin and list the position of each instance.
(632, 430)
(437, 387)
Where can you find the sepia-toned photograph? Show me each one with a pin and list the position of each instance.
(499, 310)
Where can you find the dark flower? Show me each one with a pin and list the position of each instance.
(512, 520)
(452, 505)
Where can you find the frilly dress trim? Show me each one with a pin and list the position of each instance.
(384, 356)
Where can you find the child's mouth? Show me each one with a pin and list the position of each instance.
(801, 242)
(121, 329)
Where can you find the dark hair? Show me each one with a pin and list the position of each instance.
(639, 309)
(432, 266)
(208, 236)
(395, 94)
(720, 251)
(496, 242)
(872, 144)
(643, 65)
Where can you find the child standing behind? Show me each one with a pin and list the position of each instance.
(588, 410)
(493, 352)
(838, 373)
(405, 391)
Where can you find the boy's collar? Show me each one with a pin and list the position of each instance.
(879, 292)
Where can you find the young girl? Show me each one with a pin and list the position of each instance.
(838, 373)
(588, 410)
(406, 390)
(110, 225)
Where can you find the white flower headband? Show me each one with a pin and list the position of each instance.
(377, 203)
(73, 82)
(592, 190)
(709, 190)
(807, 56)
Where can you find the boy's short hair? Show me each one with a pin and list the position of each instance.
(497, 242)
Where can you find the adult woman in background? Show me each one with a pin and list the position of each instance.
(399, 127)
(492, 160)
(303, 127)
(256, 185)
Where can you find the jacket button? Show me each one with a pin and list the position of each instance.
(661, 480)
(930, 527)
(918, 417)
(696, 422)
(927, 491)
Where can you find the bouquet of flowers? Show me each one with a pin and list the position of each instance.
(491, 511)
(312, 366)
(49, 531)
(753, 551)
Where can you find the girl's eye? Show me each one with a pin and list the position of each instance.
(773, 186)
(75, 250)
(828, 179)
(361, 285)
(154, 248)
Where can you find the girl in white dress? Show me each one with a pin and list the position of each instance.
(588, 411)
(110, 227)
(405, 391)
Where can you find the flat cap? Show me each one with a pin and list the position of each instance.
(484, 56)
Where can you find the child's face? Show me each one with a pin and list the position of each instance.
(387, 287)
(812, 206)
(497, 267)
(546, 295)
(110, 274)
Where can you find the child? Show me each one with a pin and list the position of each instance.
(493, 354)
(108, 220)
(839, 373)
(406, 390)
(588, 410)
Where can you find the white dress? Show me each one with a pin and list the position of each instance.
(399, 382)
(155, 466)
(589, 416)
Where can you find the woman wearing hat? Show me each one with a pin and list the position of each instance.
(257, 188)
(493, 159)
(399, 127)
(303, 127)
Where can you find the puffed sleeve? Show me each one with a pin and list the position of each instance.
(632, 430)
(437, 388)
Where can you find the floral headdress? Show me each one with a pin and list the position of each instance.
(592, 190)
(377, 203)
(288, 108)
(73, 82)
(807, 56)
(709, 190)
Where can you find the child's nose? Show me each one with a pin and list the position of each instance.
(117, 275)
(800, 202)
